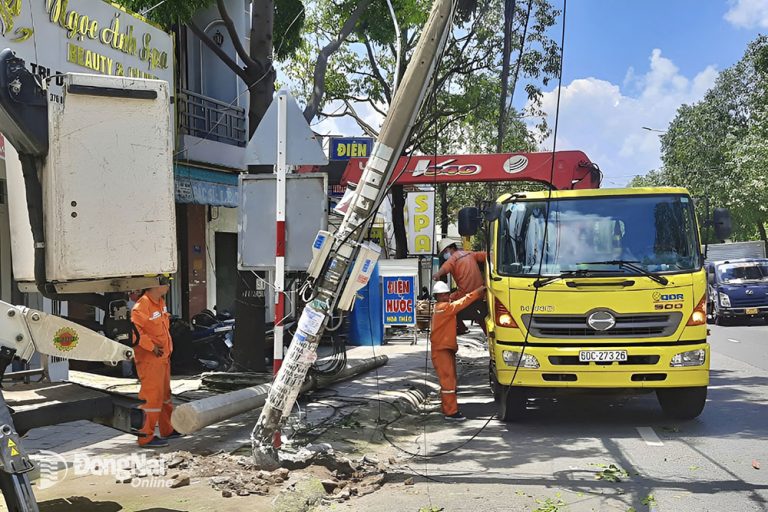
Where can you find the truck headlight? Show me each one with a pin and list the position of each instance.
(725, 300)
(512, 358)
(691, 358)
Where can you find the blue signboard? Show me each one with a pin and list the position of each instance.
(399, 300)
(344, 148)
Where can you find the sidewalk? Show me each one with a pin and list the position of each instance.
(320, 414)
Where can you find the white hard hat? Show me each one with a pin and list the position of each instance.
(440, 287)
(444, 244)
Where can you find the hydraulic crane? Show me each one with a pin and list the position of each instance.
(77, 196)
(342, 263)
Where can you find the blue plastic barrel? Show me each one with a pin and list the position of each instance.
(366, 323)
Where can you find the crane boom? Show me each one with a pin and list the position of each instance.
(346, 250)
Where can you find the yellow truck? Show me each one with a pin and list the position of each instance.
(596, 290)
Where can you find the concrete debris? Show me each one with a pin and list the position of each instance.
(408, 481)
(124, 480)
(330, 485)
(181, 481)
(322, 476)
(174, 463)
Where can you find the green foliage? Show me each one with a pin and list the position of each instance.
(611, 473)
(555, 504)
(717, 148)
(171, 12)
(288, 21)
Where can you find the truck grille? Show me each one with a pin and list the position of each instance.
(750, 302)
(627, 326)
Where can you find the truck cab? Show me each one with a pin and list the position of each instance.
(738, 289)
(596, 290)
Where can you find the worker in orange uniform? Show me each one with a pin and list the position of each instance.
(465, 270)
(444, 346)
(153, 364)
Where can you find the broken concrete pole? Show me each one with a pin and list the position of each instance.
(193, 416)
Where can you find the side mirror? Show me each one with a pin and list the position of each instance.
(492, 211)
(469, 221)
(721, 220)
(711, 277)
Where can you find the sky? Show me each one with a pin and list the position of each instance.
(630, 64)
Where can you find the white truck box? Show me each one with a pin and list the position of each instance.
(108, 189)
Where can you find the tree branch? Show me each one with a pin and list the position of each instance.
(365, 126)
(321, 66)
(226, 59)
(227, 19)
(377, 72)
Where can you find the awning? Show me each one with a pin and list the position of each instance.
(204, 186)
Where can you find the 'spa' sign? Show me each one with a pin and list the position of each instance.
(421, 222)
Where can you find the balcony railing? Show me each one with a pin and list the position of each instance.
(212, 119)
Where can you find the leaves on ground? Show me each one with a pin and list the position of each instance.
(431, 509)
(649, 500)
(550, 504)
(611, 473)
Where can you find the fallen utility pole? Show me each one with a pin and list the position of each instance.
(193, 416)
(335, 287)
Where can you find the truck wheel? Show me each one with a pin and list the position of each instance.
(511, 403)
(492, 382)
(682, 403)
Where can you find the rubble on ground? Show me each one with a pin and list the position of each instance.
(310, 475)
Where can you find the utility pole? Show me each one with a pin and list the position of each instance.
(331, 280)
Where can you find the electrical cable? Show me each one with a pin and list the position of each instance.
(539, 272)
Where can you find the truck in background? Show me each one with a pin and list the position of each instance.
(596, 290)
(738, 289)
(734, 250)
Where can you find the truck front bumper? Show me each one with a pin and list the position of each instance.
(743, 312)
(647, 367)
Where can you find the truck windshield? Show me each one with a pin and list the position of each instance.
(656, 233)
(741, 272)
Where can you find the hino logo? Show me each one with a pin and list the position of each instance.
(601, 320)
(750, 292)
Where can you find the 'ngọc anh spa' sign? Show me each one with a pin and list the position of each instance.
(84, 36)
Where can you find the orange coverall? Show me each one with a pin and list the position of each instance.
(444, 347)
(152, 321)
(463, 266)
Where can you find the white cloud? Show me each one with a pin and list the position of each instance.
(606, 122)
(748, 13)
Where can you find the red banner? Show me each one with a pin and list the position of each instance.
(2, 147)
(572, 169)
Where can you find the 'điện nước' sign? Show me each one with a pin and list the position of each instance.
(399, 300)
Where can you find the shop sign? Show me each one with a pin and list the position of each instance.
(84, 36)
(421, 222)
(344, 148)
(399, 300)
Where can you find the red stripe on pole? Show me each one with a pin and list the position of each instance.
(280, 239)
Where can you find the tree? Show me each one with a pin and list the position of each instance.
(283, 17)
(362, 73)
(714, 147)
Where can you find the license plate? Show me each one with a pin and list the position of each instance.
(586, 356)
(752, 311)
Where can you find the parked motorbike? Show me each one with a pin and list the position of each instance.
(203, 345)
